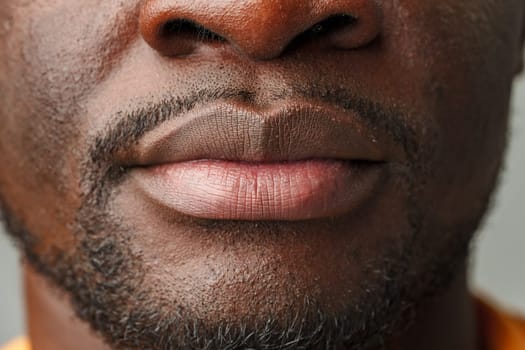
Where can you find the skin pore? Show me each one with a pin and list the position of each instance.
(422, 87)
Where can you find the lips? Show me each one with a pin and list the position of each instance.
(296, 161)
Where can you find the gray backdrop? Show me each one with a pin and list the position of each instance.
(497, 263)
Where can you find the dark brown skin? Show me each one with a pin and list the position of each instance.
(71, 69)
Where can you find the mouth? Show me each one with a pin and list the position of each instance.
(296, 161)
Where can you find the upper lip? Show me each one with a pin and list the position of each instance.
(290, 131)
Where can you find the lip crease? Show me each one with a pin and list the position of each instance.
(297, 161)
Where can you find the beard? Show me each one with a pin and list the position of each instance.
(110, 287)
(105, 280)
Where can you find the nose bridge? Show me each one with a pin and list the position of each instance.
(261, 29)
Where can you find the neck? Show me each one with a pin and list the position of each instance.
(445, 322)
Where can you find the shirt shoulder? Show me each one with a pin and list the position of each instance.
(499, 329)
(18, 344)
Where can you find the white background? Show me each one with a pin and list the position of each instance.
(498, 262)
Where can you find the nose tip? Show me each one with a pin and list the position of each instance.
(259, 29)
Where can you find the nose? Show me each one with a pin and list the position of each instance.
(259, 29)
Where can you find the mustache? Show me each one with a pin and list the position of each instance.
(127, 127)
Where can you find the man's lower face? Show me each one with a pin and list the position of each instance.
(324, 195)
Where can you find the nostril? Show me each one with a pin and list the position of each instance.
(359, 29)
(333, 24)
(173, 34)
(344, 31)
(188, 29)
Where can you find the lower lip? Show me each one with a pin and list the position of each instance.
(289, 191)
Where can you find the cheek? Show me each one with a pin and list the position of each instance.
(465, 58)
(61, 52)
(58, 51)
